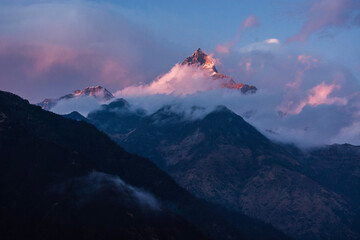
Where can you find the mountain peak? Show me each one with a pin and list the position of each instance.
(201, 59)
(75, 116)
(98, 92)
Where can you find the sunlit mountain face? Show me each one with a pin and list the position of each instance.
(204, 61)
(131, 131)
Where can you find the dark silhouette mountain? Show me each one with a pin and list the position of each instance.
(223, 159)
(63, 179)
(98, 92)
(75, 116)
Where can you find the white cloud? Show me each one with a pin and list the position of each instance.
(271, 44)
(272, 41)
(82, 104)
(180, 80)
(98, 180)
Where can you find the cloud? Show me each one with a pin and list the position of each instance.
(180, 80)
(98, 181)
(82, 104)
(270, 44)
(317, 95)
(50, 49)
(98, 185)
(348, 134)
(325, 14)
(250, 22)
(272, 41)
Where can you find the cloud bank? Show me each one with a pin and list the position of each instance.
(180, 80)
(54, 48)
(82, 104)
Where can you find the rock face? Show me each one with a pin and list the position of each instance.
(223, 159)
(64, 179)
(201, 59)
(98, 92)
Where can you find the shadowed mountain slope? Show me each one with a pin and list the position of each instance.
(225, 160)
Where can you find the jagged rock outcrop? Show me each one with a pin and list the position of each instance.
(201, 59)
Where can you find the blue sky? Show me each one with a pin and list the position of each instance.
(206, 23)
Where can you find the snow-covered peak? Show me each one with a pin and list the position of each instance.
(201, 59)
(206, 62)
(100, 93)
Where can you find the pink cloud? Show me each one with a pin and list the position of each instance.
(224, 48)
(31, 67)
(320, 94)
(249, 22)
(325, 14)
(305, 63)
(47, 56)
(41, 59)
(247, 66)
(85, 45)
(181, 80)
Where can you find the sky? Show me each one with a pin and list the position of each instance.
(49, 48)
(302, 55)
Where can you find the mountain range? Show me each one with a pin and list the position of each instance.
(64, 179)
(221, 158)
(167, 175)
(198, 59)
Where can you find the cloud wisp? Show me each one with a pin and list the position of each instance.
(250, 22)
(99, 185)
(326, 14)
